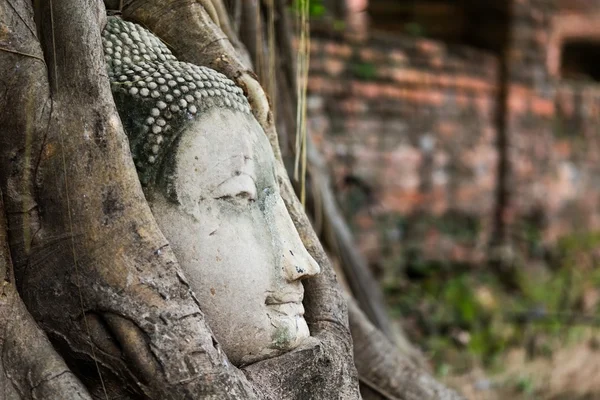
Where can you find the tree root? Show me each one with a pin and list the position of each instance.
(29, 367)
(93, 249)
(193, 37)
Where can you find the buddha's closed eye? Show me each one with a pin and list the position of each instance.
(239, 188)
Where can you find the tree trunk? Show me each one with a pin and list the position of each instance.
(90, 263)
(29, 366)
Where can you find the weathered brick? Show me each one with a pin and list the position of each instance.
(420, 128)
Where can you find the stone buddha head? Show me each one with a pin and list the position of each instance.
(208, 172)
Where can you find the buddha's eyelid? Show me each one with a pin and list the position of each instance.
(252, 191)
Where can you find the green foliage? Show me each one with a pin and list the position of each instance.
(463, 316)
(525, 385)
(443, 370)
(459, 226)
(458, 291)
(532, 235)
(355, 199)
(579, 242)
(339, 25)
(316, 8)
(559, 128)
(415, 29)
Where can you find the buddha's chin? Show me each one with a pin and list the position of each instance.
(287, 333)
(289, 326)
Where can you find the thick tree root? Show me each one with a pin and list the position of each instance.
(91, 263)
(92, 266)
(194, 37)
(386, 373)
(29, 367)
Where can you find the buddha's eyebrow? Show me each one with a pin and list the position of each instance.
(218, 163)
(245, 158)
(247, 167)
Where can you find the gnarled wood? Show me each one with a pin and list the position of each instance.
(93, 267)
(29, 367)
(90, 261)
(198, 40)
(91, 264)
(387, 374)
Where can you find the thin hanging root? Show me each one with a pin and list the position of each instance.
(236, 16)
(271, 73)
(297, 149)
(317, 200)
(212, 12)
(303, 61)
(260, 41)
(223, 18)
(248, 30)
(22, 54)
(284, 32)
(259, 56)
(218, 14)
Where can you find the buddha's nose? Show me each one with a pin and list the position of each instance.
(299, 264)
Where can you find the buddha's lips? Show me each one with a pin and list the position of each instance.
(284, 298)
(287, 310)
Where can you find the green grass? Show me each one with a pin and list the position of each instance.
(462, 317)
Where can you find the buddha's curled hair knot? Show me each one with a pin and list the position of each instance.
(155, 94)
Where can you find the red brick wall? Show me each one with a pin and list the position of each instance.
(529, 112)
(552, 129)
(422, 127)
(414, 121)
(576, 149)
(579, 5)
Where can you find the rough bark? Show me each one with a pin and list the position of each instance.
(29, 367)
(92, 266)
(90, 262)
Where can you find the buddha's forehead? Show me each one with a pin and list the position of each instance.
(222, 144)
(158, 96)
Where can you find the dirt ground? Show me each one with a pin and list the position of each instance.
(572, 373)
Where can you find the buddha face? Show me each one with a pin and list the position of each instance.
(220, 208)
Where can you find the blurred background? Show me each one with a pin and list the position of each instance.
(463, 141)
